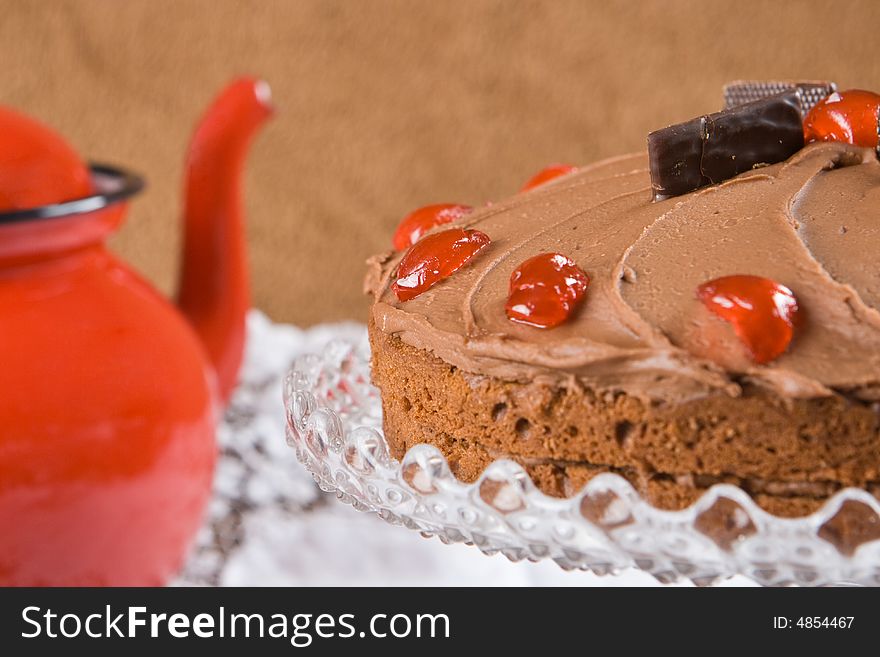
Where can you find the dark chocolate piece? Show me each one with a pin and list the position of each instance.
(747, 91)
(713, 148)
(761, 132)
(674, 154)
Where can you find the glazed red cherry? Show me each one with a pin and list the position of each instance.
(847, 116)
(419, 222)
(545, 290)
(764, 314)
(548, 174)
(434, 258)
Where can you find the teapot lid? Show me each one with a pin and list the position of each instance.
(37, 165)
(41, 176)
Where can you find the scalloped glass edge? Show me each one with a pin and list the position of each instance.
(334, 420)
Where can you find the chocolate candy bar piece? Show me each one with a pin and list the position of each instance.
(761, 132)
(675, 154)
(713, 148)
(747, 91)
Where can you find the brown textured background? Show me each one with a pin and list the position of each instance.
(386, 106)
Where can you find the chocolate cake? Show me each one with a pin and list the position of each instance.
(639, 360)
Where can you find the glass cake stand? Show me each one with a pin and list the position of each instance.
(334, 421)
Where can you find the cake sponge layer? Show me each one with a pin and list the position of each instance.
(790, 455)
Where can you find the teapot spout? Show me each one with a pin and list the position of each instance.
(214, 292)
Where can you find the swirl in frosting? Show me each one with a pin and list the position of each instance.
(811, 223)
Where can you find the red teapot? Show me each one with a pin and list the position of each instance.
(109, 394)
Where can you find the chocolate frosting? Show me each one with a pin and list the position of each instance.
(811, 223)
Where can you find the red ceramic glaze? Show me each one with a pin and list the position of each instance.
(26, 181)
(434, 258)
(545, 290)
(847, 116)
(109, 395)
(764, 314)
(547, 174)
